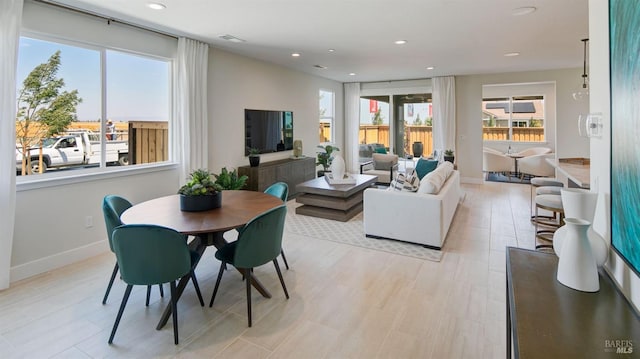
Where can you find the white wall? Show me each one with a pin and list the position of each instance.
(469, 112)
(237, 83)
(601, 147)
(50, 221)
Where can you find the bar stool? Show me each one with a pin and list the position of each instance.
(553, 203)
(541, 182)
(548, 190)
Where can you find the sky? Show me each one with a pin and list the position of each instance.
(137, 87)
(367, 111)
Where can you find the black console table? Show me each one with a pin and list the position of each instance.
(546, 319)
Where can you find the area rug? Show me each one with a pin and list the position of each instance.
(499, 177)
(352, 233)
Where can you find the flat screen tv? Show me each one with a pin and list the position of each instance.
(268, 131)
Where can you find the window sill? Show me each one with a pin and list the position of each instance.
(88, 175)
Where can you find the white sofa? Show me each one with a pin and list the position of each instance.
(410, 216)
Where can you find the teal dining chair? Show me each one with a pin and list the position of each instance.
(112, 208)
(259, 242)
(280, 190)
(148, 255)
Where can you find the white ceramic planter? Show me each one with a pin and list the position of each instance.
(577, 267)
(581, 203)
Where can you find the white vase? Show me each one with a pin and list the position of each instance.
(337, 167)
(581, 203)
(577, 267)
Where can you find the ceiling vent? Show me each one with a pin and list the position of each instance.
(231, 38)
(320, 67)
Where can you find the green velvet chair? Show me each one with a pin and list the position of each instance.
(259, 242)
(280, 190)
(148, 255)
(112, 208)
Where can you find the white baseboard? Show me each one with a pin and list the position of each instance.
(471, 180)
(58, 260)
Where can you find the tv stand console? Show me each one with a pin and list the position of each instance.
(288, 170)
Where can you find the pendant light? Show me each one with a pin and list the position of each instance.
(583, 92)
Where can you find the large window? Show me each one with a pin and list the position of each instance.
(517, 119)
(327, 118)
(112, 106)
(413, 124)
(374, 125)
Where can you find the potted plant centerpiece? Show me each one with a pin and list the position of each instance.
(229, 180)
(200, 193)
(324, 158)
(448, 156)
(254, 157)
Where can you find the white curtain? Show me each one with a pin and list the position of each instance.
(444, 113)
(352, 125)
(190, 130)
(10, 20)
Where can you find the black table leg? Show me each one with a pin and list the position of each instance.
(199, 244)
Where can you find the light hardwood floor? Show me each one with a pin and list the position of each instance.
(346, 301)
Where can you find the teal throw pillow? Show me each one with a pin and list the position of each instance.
(425, 166)
(380, 150)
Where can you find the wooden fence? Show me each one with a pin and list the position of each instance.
(148, 141)
(520, 134)
(412, 134)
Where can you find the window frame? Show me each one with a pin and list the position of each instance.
(332, 118)
(103, 171)
(510, 99)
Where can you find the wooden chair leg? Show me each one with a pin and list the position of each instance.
(275, 263)
(215, 289)
(197, 287)
(174, 311)
(247, 274)
(284, 259)
(161, 290)
(127, 292)
(113, 277)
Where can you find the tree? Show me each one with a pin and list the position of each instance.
(417, 121)
(428, 121)
(377, 119)
(44, 109)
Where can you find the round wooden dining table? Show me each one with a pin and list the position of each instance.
(208, 227)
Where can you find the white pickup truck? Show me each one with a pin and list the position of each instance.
(74, 149)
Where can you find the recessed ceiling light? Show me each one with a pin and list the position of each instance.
(430, 68)
(512, 54)
(352, 74)
(295, 54)
(523, 10)
(400, 42)
(332, 50)
(156, 6)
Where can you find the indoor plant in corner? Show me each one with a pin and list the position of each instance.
(200, 193)
(448, 156)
